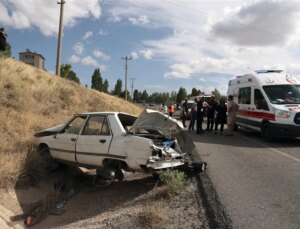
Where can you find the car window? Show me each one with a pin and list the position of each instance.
(97, 125)
(75, 125)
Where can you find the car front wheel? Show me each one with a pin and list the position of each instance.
(47, 160)
(266, 133)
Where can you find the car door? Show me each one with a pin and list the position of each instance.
(64, 143)
(260, 107)
(94, 141)
(244, 113)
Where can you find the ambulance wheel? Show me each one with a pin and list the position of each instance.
(266, 133)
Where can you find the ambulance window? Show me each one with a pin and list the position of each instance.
(244, 95)
(259, 100)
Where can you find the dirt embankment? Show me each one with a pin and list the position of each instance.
(32, 100)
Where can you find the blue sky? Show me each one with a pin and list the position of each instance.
(173, 43)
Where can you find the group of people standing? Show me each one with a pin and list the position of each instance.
(216, 113)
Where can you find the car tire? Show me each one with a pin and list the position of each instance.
(47, 160)
(266, 133)
(119, 174)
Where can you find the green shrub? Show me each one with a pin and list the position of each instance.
(175, 181)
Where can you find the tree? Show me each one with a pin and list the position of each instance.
(181, 95)
(195, 92)
(122, 95)
(97, 80)
(145, 95)
(105, 86)
(72, 76)
(118, 88)
(216, 93)
(67, 72)
(135, 96)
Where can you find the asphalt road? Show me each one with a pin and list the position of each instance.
(257, 183)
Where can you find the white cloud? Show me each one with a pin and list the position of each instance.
(44, 14)
(103, 68)
(141, 20)
(134, 55)
(78, 48)
(88, 60)
(260, 23)
(87, 35)
(115, 16)
(74, 59)
(147, 54)
(102, 32)
(208, 36)
(97, 53)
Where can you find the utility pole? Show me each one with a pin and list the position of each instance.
(126, 68)
(132, 79)
(58, 57)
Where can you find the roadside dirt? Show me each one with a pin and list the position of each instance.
(118, 205)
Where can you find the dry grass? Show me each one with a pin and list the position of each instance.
(31, 100)
(154, 214)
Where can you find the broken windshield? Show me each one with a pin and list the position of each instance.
(283, 94)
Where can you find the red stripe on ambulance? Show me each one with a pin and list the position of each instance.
(257, 114)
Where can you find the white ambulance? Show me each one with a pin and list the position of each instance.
(269, 102)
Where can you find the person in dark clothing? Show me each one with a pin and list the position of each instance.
(211, 107)
(221, 117)
(185, 111)
(3, 37)
(199, 114)
(193, 117)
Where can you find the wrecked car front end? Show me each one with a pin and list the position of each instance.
(170, 146)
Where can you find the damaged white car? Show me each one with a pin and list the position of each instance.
(113, 142)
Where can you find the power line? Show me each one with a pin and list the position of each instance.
(59, 43)
(126, 69)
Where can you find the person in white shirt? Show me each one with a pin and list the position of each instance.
(232, 108)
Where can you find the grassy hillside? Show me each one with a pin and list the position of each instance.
(31, 100)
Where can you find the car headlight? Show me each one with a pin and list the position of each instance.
(282, 113)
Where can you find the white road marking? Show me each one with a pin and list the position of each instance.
(273, 149)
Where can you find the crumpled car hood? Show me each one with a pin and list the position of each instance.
(155, 120)
(49, 131)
